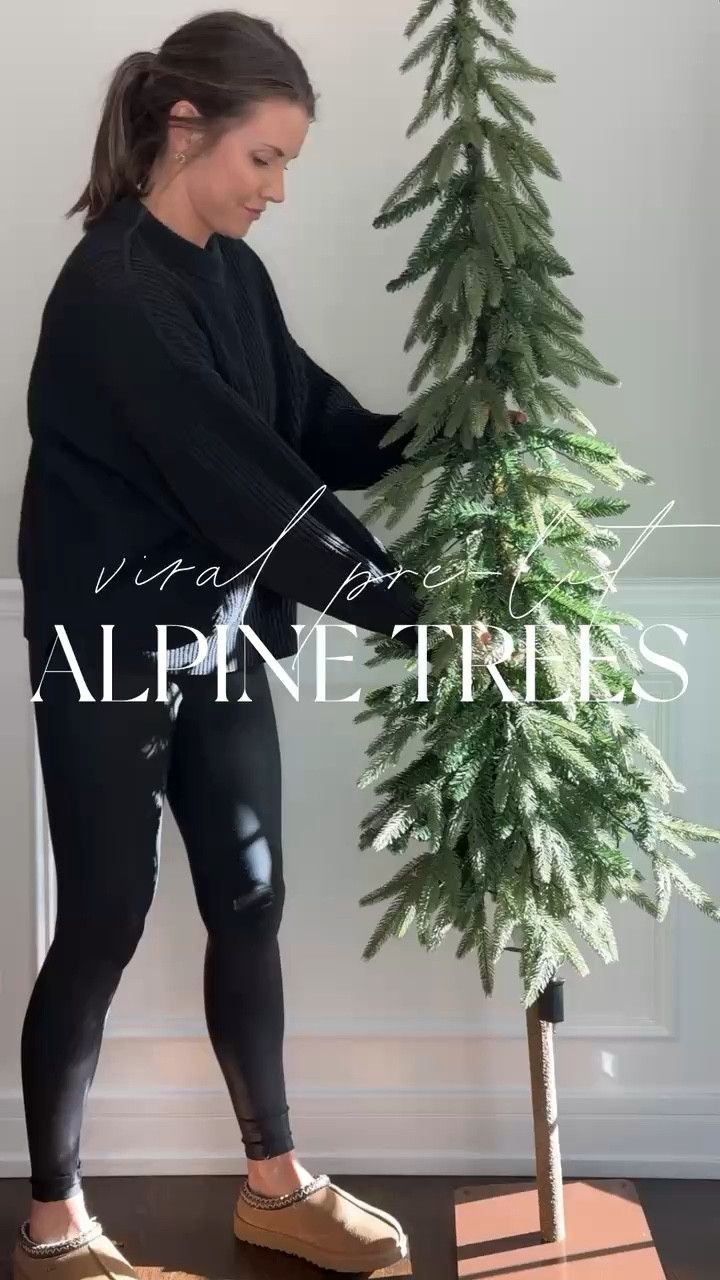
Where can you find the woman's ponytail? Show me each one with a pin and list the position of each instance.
(223, 62)
(122, 147)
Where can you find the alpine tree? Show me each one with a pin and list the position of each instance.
(520, 792)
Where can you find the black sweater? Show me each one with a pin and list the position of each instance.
(176, 424)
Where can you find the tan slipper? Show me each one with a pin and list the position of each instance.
(323, 1224)
(90, 1255)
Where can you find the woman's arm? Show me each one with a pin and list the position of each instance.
(233, 478)
(340, 439)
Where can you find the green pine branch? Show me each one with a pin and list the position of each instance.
(523, 809)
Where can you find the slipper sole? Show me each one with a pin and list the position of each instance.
(249, 1233)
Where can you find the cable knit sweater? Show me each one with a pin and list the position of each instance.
(177, 431)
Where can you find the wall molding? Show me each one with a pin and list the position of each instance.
(606, 1131)
(659, 599)
(484, 1132)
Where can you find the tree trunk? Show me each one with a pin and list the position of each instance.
(541, 1049)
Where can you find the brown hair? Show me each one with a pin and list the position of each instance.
(224, 62)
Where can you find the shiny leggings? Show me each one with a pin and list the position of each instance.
(107, 767)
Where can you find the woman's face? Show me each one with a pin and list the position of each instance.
(244, 170)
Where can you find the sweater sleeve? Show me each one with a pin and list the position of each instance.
(340, 439)
(233, 478)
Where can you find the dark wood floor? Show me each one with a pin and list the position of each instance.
(184, 1224)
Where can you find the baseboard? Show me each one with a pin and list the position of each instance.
(409, 1132)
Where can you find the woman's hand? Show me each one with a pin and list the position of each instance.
(482, 638)
(517, 417)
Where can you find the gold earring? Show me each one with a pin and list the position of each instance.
(181, 156)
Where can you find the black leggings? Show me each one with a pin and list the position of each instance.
(106, 768)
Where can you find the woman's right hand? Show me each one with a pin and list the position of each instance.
(481, 636)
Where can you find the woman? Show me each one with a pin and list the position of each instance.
(177, 430)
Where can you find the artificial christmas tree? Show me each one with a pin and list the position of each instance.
(526, 773)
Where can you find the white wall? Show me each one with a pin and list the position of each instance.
(632, 123)
(401, 1065)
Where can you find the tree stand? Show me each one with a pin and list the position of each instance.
(496, 1226)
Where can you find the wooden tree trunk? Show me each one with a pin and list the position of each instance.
(541, 1048)
(496, 1226)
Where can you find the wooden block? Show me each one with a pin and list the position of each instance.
(497, 1232)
